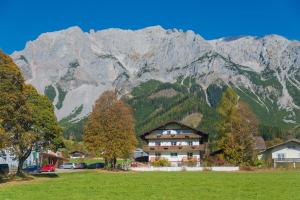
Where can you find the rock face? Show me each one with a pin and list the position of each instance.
(73, 67)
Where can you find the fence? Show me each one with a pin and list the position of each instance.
(174, 169)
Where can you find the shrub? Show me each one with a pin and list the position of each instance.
(192, 162)
(161, 163)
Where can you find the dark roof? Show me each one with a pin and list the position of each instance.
(216, 152)
(260, 143)
(77, 152)
(291, 140)
(173, 122)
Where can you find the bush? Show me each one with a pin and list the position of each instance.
(161, 163)
(190, 162)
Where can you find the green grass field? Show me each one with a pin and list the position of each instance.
(158, 185)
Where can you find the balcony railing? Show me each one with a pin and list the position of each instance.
(176, 148)
(286, 159)
(173, 136)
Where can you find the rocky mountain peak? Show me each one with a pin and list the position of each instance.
(76, 67)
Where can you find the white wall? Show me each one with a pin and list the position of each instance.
(182, 142)
(180, 156)
(287, 151)
(224, 169)
(12, 162)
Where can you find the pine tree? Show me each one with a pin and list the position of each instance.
(109, 129)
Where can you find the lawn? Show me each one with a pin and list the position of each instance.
(158, 185)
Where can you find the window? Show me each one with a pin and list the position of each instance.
(169, 132)
(280, 156)
(157, 143)
(190, 155)
(173, 154)
(190, 143)
(157, 154)
(173, 143)
(292, 147)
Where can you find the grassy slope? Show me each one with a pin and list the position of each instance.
(160, 186)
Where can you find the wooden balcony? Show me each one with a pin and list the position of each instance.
(173, 136)
(286, 159)
(177, 148)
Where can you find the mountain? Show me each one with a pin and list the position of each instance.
(164, 74)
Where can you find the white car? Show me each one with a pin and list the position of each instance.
(67, 166)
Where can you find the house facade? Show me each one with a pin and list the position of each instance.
(176, 142)
(7, 157)
(286, 154)
(35, 158)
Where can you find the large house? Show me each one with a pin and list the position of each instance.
(175, 142)
(283, 155)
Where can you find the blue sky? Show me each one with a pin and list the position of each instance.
(23, 20)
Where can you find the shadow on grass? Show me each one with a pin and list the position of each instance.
(26, 177)
(46, 175)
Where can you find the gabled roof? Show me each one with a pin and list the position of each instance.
(288, 141)
(198, 132)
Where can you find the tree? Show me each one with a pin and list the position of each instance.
(238, 127)
(27, 117)
(3, 137)
(45, 124)
(227, 108)
(109, 129)
(14, 110)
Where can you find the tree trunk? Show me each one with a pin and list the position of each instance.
(20, 166)
(21, 161)
(105, 162)
(114, 160)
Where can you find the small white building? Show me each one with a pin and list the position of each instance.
(6, 157)
(175, 142)
(285, 154)
(77, 155)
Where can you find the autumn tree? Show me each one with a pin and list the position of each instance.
(26, 115)
(109, 129)
(3, 137)
(238, 127)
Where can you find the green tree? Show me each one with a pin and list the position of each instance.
(109, 129)
(14, 110)
(27, 117)
(227, 108)
(45, 124)
(4, 137)
(238, 127)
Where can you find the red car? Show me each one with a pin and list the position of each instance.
(47, 168)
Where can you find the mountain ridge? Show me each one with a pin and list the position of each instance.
(74, 67)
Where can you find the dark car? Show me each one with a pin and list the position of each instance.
(4, 169)
(96, 166)
(32, 169)
(80, 166)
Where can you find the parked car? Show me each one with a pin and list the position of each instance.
(4, 169)
(80, 166)
(32, 169)
(67, 166)
(96, 166)
(47, 168)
